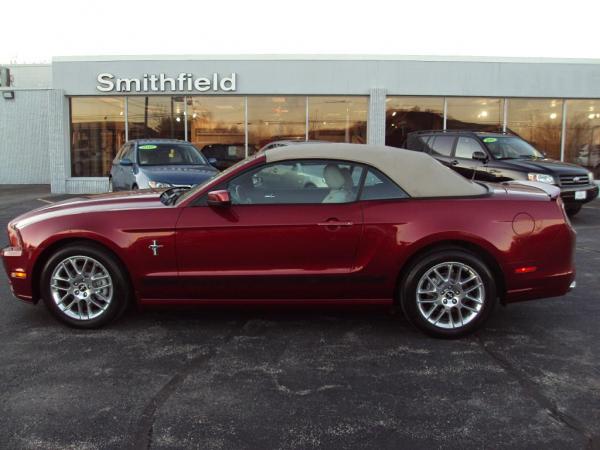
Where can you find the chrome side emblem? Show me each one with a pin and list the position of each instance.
(154, 247)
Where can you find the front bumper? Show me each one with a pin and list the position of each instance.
(568, 194)
(15, 261)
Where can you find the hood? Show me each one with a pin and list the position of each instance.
(547, 166)
(184, 174)
(92, 203)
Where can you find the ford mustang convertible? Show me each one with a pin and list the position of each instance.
(382, 226)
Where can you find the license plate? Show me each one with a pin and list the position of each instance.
(580, 195)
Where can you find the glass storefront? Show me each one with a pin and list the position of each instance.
(406, 114)
(275, 118)
(538, 121)
(229, 127)
(216, 125)
(338, 119)
(155, 117)
(474, 113)
(97, 132)
(582, 140)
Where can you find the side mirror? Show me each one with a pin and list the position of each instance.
(126, 162)
(480, 156)
(212, 161)
(219, 198)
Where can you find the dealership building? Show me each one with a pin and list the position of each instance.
(62, 123)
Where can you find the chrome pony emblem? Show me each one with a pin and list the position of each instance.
(154, 247)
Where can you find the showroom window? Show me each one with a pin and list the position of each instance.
(97, 133)
(216, 125)
(406, 114)
(156, 117)
(275, 118)
(338, 119)
(538, 121)
(582, 140)
(470, 113)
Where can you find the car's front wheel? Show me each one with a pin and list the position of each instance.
(448, 293)
(83, 286)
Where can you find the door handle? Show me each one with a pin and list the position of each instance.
(454, 162)
(334, 223)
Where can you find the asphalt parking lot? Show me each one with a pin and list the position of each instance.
(329, 378)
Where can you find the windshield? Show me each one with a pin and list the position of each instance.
(167, 154)
(510, 147)
(215, 179)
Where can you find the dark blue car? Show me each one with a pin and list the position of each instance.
(159, 163)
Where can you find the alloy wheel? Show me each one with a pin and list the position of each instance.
(81, 287)
(450, 295)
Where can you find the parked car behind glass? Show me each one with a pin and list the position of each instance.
(159, 163)
(498, 157)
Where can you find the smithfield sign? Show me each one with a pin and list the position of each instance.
(184, 82)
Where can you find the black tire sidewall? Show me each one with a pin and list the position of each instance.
(416, 271)
(120, 284)
(572, 210)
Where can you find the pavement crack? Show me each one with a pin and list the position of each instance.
(531, 388)
(585, 249)
(142, 436)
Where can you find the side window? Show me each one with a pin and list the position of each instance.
(128, 153)
(465, 147)
(379, 187)
(297, 182)
(121, 151)
(442, 145)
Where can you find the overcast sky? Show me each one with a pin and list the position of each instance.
(34, 31)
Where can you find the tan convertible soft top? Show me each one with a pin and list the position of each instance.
(417, 173)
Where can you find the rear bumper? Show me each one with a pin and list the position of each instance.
(544, 287)
(568, 194)
(15, 260)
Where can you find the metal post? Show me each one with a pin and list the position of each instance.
(445, 112)
(185, 124)
(505, 115)
(126, 119)
(246, 126)
(306, 123)
(563, 131)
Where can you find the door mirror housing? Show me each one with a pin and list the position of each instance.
(219, 198)
(126, 162)
(480, 156)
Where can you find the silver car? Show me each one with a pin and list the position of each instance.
(159, 163)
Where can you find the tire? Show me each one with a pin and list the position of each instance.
(572, 210)
(87, 303)
(448, 299)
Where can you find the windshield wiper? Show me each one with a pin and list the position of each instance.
(169, 196)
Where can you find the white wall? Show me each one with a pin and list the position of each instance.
(24, 150)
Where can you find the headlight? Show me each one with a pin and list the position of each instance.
(158, 184)
(591, 175)
(541, 177)
(14, 237)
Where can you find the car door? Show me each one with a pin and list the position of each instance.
(115, 171)
(463, 161)
(275, 240)
(121, 173)
(441, 146)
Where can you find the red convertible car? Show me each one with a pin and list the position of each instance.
(312, 224)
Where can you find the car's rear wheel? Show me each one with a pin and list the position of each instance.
(572, 210)
(83, 286)
(448, 293)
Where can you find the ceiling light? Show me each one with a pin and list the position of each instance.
(553, 116)
(591, 116)
(394, 113)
